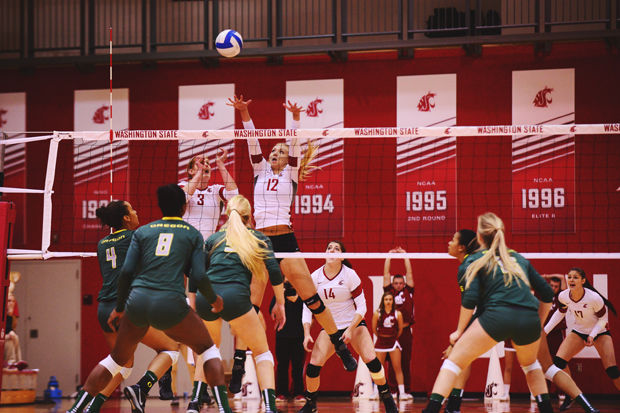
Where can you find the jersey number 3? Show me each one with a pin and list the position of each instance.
(163, 244)
(329, 294)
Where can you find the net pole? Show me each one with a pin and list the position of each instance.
(111, 127)
(46, 231)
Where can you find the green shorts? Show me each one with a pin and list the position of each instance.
(104, 309)
(520, 324)
(236, 302)
(157, 308)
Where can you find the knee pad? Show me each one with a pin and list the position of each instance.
(376, 369)
(266, 356)
(313, 300)
(313, 371)
(174, 356)
(613, 372)
(211, 353)
(450, 365)
(534, 366)
(551, 372)
(560, 362)
(111, 365)
(126, 372)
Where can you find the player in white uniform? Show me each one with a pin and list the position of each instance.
(275, 184)
(587, 319)
(205, 204)
(341, 290)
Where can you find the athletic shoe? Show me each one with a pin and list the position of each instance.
(405, 397)
(350, 364)
(193, 407)
(309, 407)
(206, 397)
(165, 386)
(299, 399)
(136, 398)
(568, 402)
(389, 403)
(235, 380)
(448, 410)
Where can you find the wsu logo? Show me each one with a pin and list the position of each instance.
(2, 112)
(313, 109)
(101, 115)
(543, 98)
(205, 111)
(356, 389)
(490, 390)
(427, 102)
(244, 388)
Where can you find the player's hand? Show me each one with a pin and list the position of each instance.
(446, 352)
(400, 249)
(346, 336)
(590, 341)
(279, 315)
(307, 341)
(221, 156)
(218, 304)
(115, 319)
(454, 337)
(294, 109)
(238, 103)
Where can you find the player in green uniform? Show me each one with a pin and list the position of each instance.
(111, 252)
(158, 256)
(500, 281)
(235, 255)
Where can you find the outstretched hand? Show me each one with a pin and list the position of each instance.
(238, 103)
(294, 108)
(221, 156)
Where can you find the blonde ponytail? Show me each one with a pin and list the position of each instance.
(305, 167)
(491, 230)
(251, 250)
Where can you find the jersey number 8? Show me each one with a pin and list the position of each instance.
(163, 244)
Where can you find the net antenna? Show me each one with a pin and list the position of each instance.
(111, 127)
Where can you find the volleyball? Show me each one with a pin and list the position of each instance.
(229, 43)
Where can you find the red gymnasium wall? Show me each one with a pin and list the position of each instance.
(484, 174)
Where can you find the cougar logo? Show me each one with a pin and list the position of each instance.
(447, 131)
(573, 128)
(2, 121)
(356, 389)
(313, 110)
(427, 102)
(543, 98)
(244, 388)
(205, 134)
(325, 132)
(490, 390)
(101, 115)
(205, 111)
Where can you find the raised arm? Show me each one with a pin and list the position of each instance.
(197, 171)
(242, 106)
(294, 149)
(220, 161)
(408, 269)
(387, 277)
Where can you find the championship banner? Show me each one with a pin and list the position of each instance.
(13, 121)
(91, 160)
(426, 165)
(203, 107)
(543, 167)
(318, 210)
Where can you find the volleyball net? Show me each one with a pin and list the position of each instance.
(556, 187)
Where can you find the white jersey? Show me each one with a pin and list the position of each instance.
(338, 294)
(273, 195)
(205, 206)
(583, 315)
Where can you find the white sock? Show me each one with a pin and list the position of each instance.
(506, 389)
(401, 389)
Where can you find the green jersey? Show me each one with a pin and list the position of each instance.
(490, 291)
(159, 255)
(111, 252)
(225, 266)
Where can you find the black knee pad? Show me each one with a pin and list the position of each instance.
(613, 372)
(312, 370)
(374, 365)
(560, 362)
(313, 300)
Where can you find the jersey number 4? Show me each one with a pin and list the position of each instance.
(163, 244)
(110, 255)
(329, 294)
